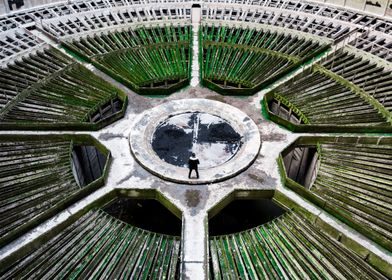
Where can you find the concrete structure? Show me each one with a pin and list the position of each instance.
(381, 7)
(143, 127)
(37, 33)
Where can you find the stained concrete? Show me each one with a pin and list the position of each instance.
(162, 139)
(211, 138)
(194, 201)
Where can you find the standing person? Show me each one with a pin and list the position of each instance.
(193, 162)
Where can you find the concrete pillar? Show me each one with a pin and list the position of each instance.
(196, 14)
(4, 7)
(196, 19)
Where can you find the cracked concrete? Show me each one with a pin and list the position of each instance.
(194, 201)
(144, 126)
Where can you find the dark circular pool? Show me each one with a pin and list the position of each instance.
(210, 137)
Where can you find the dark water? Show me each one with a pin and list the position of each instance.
(172, 144)
(240, 215)
(175, 139)
(148, 214)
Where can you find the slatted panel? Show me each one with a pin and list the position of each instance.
(144, 56)
(356, 181)
(288, 19)
(319, 26)
(338, 91)
(288, 247)
(49, 87)
(246, 57)
(100, 246)
(323, 101)
(34, 176)
(364, 74)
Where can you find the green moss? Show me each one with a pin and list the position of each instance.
(245, 48)
(357, 90)
(81, 101)
(141, 64)
(220, 42)
(52, 232)
(79, 139)
(382, 265)
(289, 204)
(327, 229)
(264, 109)
(292, 107)
(72, 52)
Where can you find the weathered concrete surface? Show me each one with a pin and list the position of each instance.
(193, 200)
(211, 137)
(144, 127)
(195, 73)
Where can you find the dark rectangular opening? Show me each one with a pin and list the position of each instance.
(300, 164)
(88, 164)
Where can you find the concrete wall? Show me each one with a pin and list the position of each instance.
(379, 7)
(22, 4)
(389, 9)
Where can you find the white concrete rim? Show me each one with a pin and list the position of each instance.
(144, 125)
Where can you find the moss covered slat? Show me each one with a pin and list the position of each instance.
(358, 189)
(55, 92)
(354, 183)
(292, 107)
(36, 180)
(251, 49)
(289, 247)
(242, 60)
(357, 90)
(150, 60)
(100, 246)
(344, 91)
(29, 188)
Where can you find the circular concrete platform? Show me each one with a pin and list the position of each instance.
(225, 140)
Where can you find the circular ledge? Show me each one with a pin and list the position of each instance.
(145, 124)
